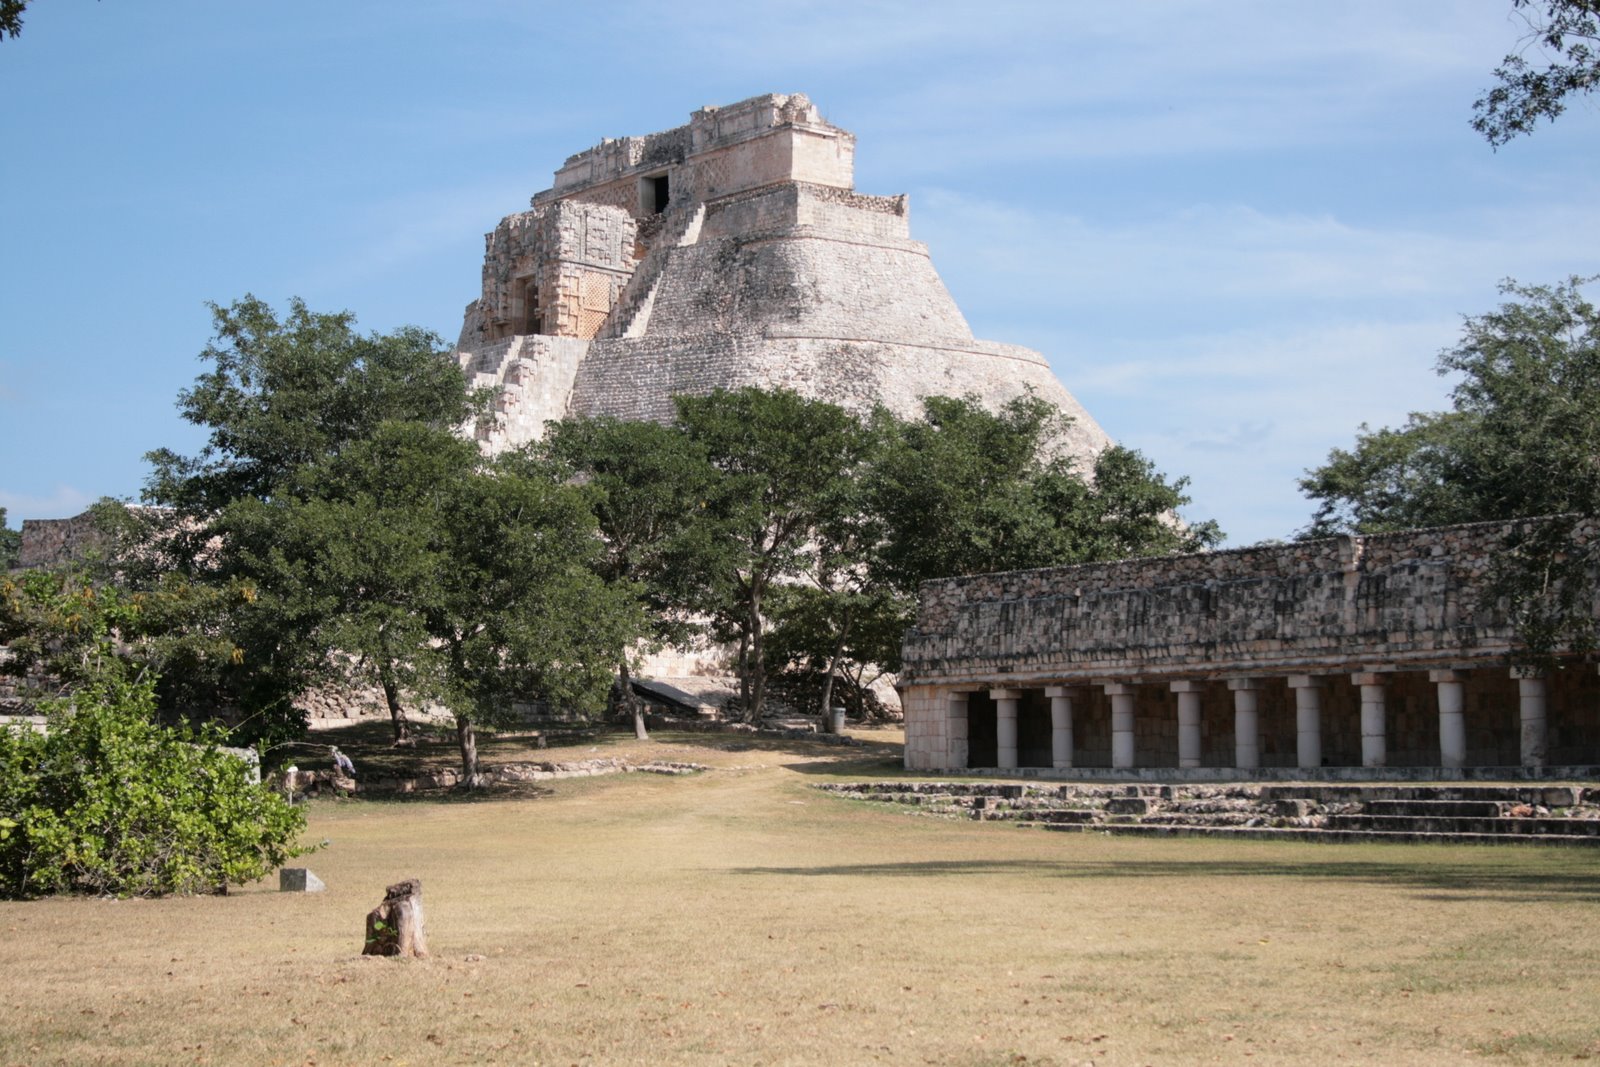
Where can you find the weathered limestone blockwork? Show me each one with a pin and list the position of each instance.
(52, 542)
(555, 270)
(1355, 651)
(734, 252)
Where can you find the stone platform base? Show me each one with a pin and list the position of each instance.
(1218, 775)
(1566, 815)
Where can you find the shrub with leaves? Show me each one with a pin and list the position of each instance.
(106, 801)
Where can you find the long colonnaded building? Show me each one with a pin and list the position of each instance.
(1355, 657)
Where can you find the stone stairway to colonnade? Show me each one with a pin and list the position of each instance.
(1335, 813)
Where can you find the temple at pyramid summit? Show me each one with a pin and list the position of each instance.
(732, 251)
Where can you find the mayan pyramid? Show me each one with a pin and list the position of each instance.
(728, 252)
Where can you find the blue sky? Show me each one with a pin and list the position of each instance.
(1236, 229)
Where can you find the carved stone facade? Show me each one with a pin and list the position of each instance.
(728, 252)
(1365, 652)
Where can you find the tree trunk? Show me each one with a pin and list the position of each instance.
(833, 666)
(757, 666)
(397, 715)
(744, 673)
(395, 927)
(470, 777)
(630, 701)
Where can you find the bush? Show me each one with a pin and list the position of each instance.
(108, 802)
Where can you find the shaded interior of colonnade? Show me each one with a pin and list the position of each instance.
(1411, 711)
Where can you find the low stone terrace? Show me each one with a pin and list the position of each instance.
(1454, 814)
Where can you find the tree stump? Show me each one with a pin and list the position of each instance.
(395, 927)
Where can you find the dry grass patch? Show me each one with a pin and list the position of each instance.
(739, 916)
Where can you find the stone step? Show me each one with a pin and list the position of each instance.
(1554, 796)
(1458, 825)
(1483, 809)
(1274, 833)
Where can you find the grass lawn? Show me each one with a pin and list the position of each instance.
(740, 917)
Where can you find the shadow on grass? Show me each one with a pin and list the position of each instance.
(490, 794)
(869, 753)
(1511, 883)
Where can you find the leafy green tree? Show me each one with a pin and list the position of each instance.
(282, 393)
(1520, 441)
(846, 634)
(646, 484)
(107, 802)
(961, 491)
(785, 467)
(1568, 32)
(353, 549)
(1395, 479)
(284, 398)
(520, 611)
(966, 490)
(10, 544)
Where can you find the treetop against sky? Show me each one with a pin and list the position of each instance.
(1237, 231)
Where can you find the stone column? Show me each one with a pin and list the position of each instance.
(1188, 722)
(1060, 726)
(1452, 718)
(1121, 696)
(1005, 727)
(1531, 698)
(1246, 722)
(1307, 719)
(1374, 725)
(956, 729)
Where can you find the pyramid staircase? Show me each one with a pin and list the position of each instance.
(1449, 814)
(680, 226)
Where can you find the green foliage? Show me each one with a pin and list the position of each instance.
(848, 630)
(966, 490)
(647, 485)
(1519, 443)
(1395, 479)
(1568, 31)
(785, 470)
(800, 530)
(281, 394)
(296, 406)
(108, 802)
(10, 544)
(76, 627)
(418, 567)
(520, 612)
(11, 17)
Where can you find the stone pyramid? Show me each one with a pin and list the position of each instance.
(731, 251)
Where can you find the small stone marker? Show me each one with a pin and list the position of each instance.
(395, 927)
(299, 880)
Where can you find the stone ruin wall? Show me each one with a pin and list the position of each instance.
(1404, 603)
(1415, 598)
(575, 256)
(532, 376)
(54, 542)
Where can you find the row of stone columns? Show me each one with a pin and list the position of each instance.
(1308, 691)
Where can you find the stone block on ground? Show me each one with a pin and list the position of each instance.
(299, 880)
